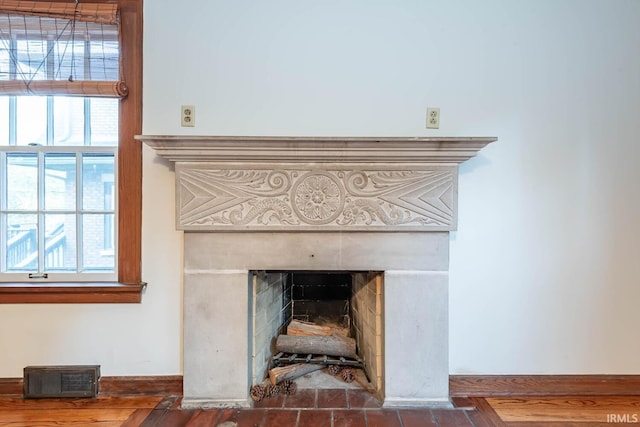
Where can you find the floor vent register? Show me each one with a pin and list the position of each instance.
(61, 381)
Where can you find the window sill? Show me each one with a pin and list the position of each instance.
(70, 292)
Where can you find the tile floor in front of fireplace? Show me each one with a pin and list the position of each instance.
(348, 407)
(312, 408)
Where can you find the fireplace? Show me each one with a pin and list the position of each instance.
(378, 207)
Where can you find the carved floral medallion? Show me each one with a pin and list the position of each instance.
(318, 198)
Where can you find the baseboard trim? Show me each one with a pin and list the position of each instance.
(398, 403)
(10, 386)
(161, 385)
(168, 385)
(459, 385)
(543, 385)
(199, 403)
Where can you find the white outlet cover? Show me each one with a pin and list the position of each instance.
(188, 115)
(433, 118)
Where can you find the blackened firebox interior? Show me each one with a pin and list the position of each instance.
(321, 298)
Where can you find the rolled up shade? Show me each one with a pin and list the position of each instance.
(60, 48)
(98, 89)
(100, 13)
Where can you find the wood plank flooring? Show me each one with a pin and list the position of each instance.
(99, 412)
(570, 409)
(325, 409)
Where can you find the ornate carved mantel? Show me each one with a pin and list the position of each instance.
(316, 184)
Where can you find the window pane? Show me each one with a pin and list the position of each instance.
(69, 60)
(97, 182)
(105, 59)
(31, 55)
(98, 237)
(22, 242)
(4, 120)
(104, 121)
(22, 181)
(60, 181)
(32, 120)
(4, 60)
(59, 242)
(68, 121)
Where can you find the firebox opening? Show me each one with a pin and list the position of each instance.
(321, 298)
(348, 303)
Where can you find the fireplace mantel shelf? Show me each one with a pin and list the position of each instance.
(240, 183)
(185, 148)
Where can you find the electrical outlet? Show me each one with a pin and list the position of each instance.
(433, 118)
(188, 115)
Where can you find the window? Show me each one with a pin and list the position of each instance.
(57, 212)
(70, 169)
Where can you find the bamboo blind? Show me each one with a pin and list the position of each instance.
(101, 13)
(92, 88)
(33, 28)
(93, 23)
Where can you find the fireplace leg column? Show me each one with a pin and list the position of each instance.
(416, 338)
(215, 344)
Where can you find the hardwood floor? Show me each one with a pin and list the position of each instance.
(102, 411)
(569, 409)
(329, 409)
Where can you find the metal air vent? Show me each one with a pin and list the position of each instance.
(61, 381)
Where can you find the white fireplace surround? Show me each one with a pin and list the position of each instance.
(317, 204)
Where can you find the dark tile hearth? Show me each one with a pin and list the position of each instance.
(339, 408)
(322, 399)
(353, 418)
(314, 418)
(283, 417)
(332, 399)
(362, 399)
(301, 399)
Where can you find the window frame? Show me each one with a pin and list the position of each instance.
(129, 287)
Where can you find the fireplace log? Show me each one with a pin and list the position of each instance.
(291, 372)
(334, 345)
(297, 327)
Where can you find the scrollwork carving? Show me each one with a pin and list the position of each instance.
(367, 212)
(382, 199)
(263, 212)
(247, 182)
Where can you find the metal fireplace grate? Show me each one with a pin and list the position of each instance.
(283, 359)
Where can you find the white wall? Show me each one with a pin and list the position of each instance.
(545, 265)
(125, 339)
